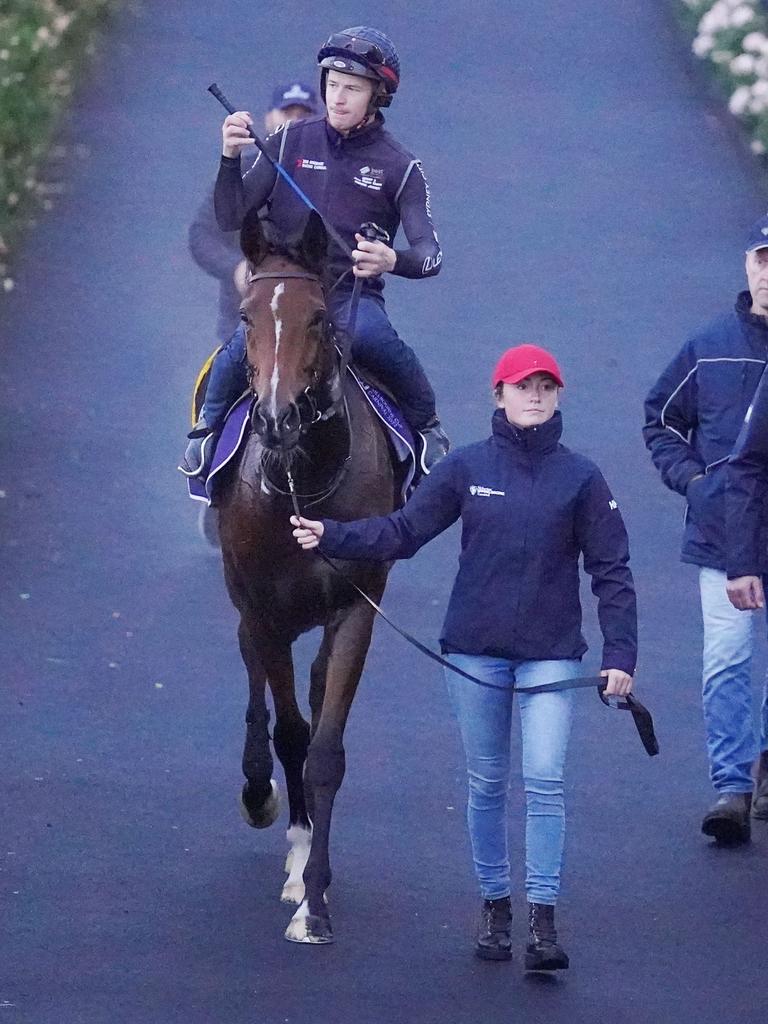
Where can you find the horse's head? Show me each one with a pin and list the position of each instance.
(289, 354)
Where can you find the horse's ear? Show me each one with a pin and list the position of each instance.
(313, 245)
(252, 240)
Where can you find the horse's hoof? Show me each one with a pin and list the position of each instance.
(309, 928)
(265, 815)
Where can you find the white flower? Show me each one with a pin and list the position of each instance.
(754, 41)
(741, 16)
(760, 88)
(703, 44)
(739, 100)
(757, 147)
(714, 21)
(744, 64)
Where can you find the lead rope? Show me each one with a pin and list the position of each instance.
(640, 714)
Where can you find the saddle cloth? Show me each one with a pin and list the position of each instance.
(237, 427)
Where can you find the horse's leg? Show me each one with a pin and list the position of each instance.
(351, 635)
(300, 831)
(259, 800)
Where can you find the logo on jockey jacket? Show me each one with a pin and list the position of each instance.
(476, 490)
(613, 504)
(370, 177)
(310, 165)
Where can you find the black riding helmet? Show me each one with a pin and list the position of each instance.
(365, 52)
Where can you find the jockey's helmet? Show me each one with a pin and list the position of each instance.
(365, 52)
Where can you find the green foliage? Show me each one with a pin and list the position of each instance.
(43, 44)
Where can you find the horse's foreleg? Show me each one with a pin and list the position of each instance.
(326, 765)
(259, 800)
(291, 739)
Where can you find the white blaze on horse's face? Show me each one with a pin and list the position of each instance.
(278, 331)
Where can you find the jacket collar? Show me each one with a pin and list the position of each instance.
(532, 439)
(358, 138)
(744, 311)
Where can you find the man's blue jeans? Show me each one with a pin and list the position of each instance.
(732, 744)
(484, 715)
(377, 347)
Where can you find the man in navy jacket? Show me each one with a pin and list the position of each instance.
(746, 500)
(218, 252)
(693, 417)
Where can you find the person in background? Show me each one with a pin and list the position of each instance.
(218, 252)
(746, 500)
(694, 414)
(529, 509)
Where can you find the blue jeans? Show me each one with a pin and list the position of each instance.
(377, 347)
(484, 715)
(732, 744)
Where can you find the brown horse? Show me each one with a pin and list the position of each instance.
(331, 442)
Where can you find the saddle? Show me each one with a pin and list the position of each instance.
(237, 427)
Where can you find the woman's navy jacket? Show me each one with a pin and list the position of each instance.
(529, 508)
(693, 416)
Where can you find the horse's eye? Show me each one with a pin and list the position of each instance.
(243, 316)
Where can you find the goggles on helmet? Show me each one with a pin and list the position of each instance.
(340, 44)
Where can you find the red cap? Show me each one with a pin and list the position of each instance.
(523, 361)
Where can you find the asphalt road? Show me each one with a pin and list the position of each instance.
(587, 198)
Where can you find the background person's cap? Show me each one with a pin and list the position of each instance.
(758, 235)
(294, 94)
(523, 361)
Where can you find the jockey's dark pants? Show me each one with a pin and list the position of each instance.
(377, 347)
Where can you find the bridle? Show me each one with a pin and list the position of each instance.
(311, 411)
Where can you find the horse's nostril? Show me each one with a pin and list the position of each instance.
(258, 419)
(289, 419)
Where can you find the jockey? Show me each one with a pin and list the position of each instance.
(352, 169)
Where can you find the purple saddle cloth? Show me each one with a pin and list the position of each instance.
(237, 427)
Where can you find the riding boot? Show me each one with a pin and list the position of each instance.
(542, 952)
(199, 454)
(494, 940)
(728, 820)
(433, 444)
(760, 797)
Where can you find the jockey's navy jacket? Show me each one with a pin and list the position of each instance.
(364, 176)
(693, 416)
(529, 508)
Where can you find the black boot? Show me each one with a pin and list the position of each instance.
(433, 444)
(728, 820)
(542, 952)
(760, 797)
(494, 939)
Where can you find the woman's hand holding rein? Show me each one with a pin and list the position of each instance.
(619, 683)
(308, 531)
